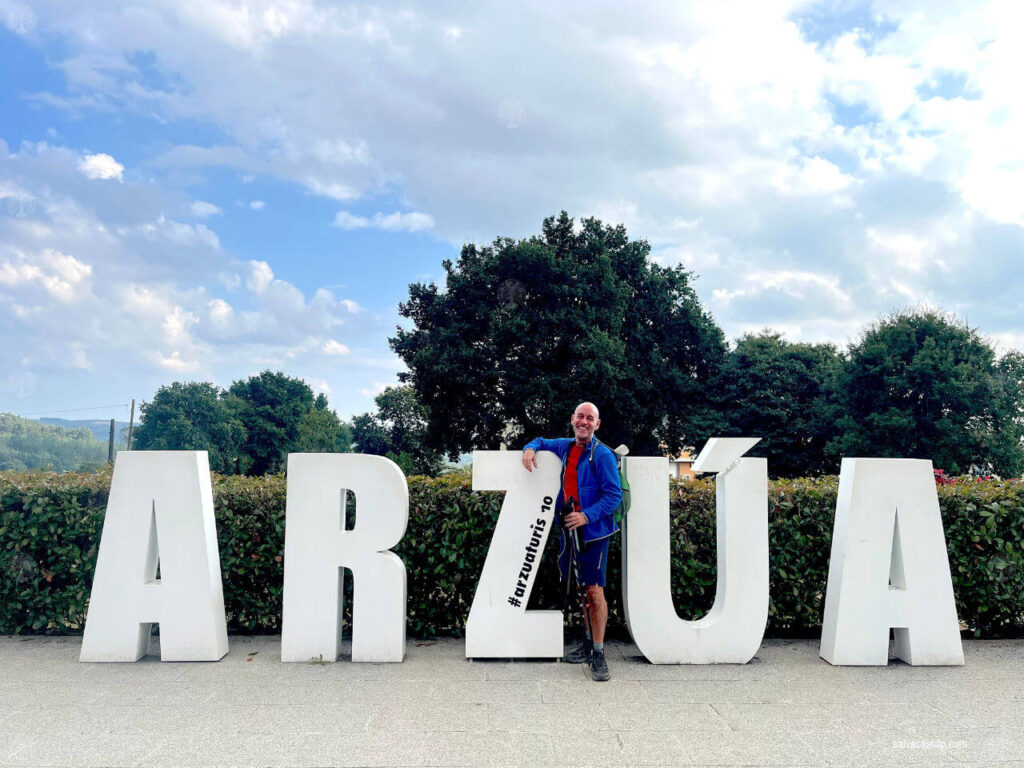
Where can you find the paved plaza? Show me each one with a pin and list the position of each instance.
(787, 707)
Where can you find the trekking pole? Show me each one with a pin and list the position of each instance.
(577, 573)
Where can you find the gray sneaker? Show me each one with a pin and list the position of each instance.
(580, 654)
(599, 667)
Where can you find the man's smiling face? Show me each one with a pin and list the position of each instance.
(585, 422)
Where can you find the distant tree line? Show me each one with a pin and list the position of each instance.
(251, 427)
(29, 444)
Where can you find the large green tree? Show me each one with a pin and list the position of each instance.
(919, 385)
(398, 430)
(271, 406)
(783, 393)
(526, 329)
(193, 416)
(321, 431)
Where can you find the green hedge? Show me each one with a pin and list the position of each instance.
(50, 526)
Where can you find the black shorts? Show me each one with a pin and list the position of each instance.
(593, 559)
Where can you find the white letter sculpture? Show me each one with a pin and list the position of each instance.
(317, 548)
(889, 568)
(499, 626)
(159, 515)
(732, 630)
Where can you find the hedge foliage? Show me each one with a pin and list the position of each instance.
(50, 526)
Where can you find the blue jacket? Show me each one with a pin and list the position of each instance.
(597, 478)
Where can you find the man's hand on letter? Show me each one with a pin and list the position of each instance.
(529, 459)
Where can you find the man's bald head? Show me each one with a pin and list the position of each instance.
(585, 421)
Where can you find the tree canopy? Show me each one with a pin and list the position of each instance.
(920, 385)
(271, 407)
(192, 416)
(527, 329)
(783, 393)
(250, 428)
(398, 430)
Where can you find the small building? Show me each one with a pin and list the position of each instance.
(681, 467)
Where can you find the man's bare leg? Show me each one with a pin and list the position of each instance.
(598, 612)
(598, 621)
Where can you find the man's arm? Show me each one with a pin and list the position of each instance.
(530, 451)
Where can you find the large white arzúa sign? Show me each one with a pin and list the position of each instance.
(159, 518)
(889, 567)
(499, 626)
(732, 630)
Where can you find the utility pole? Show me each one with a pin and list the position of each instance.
(110, 445)
(131, 425)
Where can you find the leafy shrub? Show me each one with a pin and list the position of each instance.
(50, 526)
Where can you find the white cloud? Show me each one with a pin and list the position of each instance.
(101, 166)
(63, 277)
(257, 205)
(904, 250)
(377, 388)
(390, 222)
(174, 363)
(202, 209)
(81, 360)
(332, 347)
(260, 276)
(810, 183)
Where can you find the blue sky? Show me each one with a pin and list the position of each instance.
(202, 192)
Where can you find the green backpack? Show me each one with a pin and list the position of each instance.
(623, 508)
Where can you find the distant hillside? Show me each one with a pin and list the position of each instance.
(29, 444)
(100, 428)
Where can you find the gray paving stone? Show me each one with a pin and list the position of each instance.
(659, 748)
(712, 691)
(63, 718)
(786, 708)
(530, 670)
(490, 748)
(11, 743)
(444, 669)
(203, 719)
(117, 693)
(988, 744)
(589, 692)
(978, 713)
(301, 719)
(638, 668)
(230, 750)
(651, 717)
(18, 694)
(329, 693)
(749, 748)
(897, 746)
(598, 749)
(443, 716)
(86, 749)
(775, 717)
(530, 717)
(885, 716)
(468, 692)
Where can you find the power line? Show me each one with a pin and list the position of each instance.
(77, 410)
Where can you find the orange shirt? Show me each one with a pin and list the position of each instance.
(569, 481)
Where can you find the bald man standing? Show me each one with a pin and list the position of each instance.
(590, 494)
